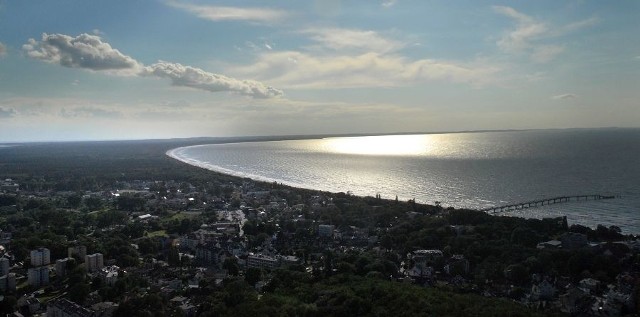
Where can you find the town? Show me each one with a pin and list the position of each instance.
(218, 245)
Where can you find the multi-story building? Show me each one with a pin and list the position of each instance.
(61, 267)
(4, 266)
(209, 254)
(8, 283)
(94, 262)
(38, 276)
(80, 251)
(262, 261)
(40, 257)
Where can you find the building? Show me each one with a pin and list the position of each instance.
(4, 266)
(457, 265)
(38, 276)
(573, 240)
(66, 308)
(80, 251)
(209, 254)
(94, 262)
(424, 258)
(109, 275)
(8, 283)
(262, 261)
(8, 186)
(61, 267)
(326, 231)
(40, 257)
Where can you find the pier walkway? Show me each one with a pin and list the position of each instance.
(543, 202)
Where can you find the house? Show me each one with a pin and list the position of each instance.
(573, 240)
(590, 285)
(457, 265)
(326, 231)
(551, 244)
(542, 291)
(574, 301)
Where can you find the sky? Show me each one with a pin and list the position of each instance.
(103, 70)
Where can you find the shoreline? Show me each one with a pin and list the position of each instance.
(176, 154)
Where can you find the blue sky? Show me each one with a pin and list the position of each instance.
(85, 70)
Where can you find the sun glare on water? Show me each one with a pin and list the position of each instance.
(380, 145)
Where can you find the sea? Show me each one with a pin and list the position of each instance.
(474, 170)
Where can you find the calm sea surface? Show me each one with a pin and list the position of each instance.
(473, 170)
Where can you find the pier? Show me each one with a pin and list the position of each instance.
(543, 202)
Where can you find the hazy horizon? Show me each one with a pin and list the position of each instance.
(74, 70)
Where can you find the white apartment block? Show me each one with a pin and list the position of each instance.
(94, 262)
(40, 257)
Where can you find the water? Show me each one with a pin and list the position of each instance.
(470, 170)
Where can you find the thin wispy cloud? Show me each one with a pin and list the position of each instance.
(530, 34)
(527, 30)
(294, 69)
(351, 58)
(89, 52)
(352, 39)
(225, 13)
(91, 112)
(564, 97)
(546, 53)
(389, 3)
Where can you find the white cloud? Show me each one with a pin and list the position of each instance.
(3, 50)
(91, 112)
(564, 97)
(526, 31)
(7, 112)
(188, 76)
(90, 52)
(546, 53)
(302, 70)
(530, 35)
(389, 3)
(351, 39)
(577, 25)
(84, 51)
(220, 13)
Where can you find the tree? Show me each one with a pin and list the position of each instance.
(74, 201)
(231, 265)
(93, 203)
(79, 292)
(173, 258)
(252, 275)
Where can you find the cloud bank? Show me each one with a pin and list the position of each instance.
(89, 52)
(351, 58)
